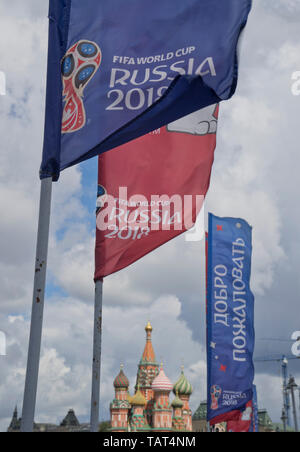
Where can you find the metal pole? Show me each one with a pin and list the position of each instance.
(292, 385)
(283, 418)
(299, 398)
(286, 398)
(34, 348)
(96, 357)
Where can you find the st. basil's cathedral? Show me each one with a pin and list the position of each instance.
(150, 408)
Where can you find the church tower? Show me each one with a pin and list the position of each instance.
(150, 408)
(138, 421)
(147, 371)
(15, 423)
(184, 390)
(120, 406)
(162, 410)
(178, 421)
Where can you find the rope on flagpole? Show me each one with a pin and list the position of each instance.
(36, 325)
(95, 399)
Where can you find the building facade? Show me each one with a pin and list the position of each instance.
(200, 423)
(70, 423)
(150, 408)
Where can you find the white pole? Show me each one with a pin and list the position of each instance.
(96, 357)
(34, 348)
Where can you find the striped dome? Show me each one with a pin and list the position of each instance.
(161, 382)
(121, 381)
(183, 386)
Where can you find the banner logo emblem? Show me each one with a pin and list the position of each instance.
(101, 198)
(215, 395)
(78, 66)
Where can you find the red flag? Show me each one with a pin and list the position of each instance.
(243, 423)
(154, 191)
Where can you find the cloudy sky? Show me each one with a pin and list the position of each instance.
(255, 176)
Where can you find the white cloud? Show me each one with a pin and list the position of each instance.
(272, 396)
(71, 256)
(289, 9)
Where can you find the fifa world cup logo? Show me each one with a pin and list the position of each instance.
(78, 66)
(215, 393)
(101, 198)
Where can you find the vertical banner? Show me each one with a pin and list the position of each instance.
(230, 319)
(254, 424)
(118, 70)
(152, 189)
(248, 418)
(244, 422)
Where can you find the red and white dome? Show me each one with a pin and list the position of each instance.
(161, 382)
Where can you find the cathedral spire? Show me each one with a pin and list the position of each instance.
(148, 354)
(15, 422)
(147, 369)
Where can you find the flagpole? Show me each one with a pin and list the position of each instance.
(34, 347)
(95, 399)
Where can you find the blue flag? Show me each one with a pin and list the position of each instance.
(254, 424)
(230, 319)
(119, 69)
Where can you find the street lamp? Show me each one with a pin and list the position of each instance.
(284, 419)
(292, 386)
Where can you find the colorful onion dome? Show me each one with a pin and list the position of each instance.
(161, 382)
(138, 399)
(177, 403)
(121, 381)
(183, 386)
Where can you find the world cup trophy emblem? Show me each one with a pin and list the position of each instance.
(78, 66)
(101, 198)
(215, 393)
